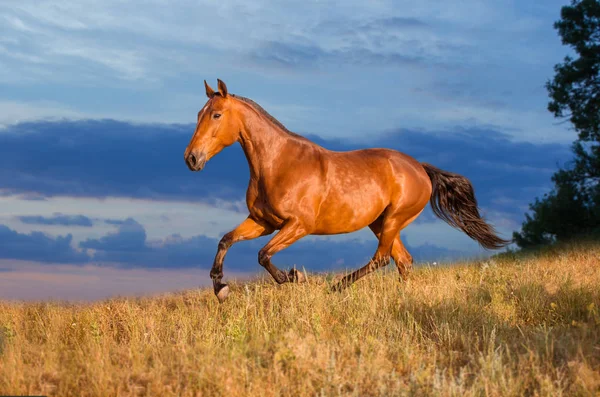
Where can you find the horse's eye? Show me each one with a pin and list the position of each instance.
(216, 115)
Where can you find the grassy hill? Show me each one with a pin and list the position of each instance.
(509, 326)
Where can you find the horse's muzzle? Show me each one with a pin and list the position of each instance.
(195, 161)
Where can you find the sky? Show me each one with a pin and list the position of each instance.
(98, 101)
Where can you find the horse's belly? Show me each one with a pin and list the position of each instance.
(347, 217)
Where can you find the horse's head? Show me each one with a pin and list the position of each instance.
(218, 126)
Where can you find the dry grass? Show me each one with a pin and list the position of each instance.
(506, 327)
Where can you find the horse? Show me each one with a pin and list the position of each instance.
(301, 188)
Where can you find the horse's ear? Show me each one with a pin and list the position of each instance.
(209, 91)
(222, 88)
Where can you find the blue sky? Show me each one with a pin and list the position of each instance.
(98, 101)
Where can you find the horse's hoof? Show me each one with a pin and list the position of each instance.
(336, 283)
(296, 277)
(223, 293)
(338, 287)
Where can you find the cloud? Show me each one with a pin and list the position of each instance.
(297, 55)
(130, 42)
(399, 23)
(108, 158)
(13, 112)
(116, 159)
(131, 237)
(57, 219)
(287, 55)
(116, 222)
(120, 60)
(161, 218)
(129, 247)
(373, 42)
(37, 246)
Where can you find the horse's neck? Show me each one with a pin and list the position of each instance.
(263, 143)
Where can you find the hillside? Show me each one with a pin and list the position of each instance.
(508, 326)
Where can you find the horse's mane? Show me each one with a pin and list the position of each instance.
(266, 114)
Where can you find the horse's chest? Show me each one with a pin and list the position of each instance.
(260, 205)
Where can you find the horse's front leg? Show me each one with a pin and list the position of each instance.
(292, 231)
(247, 230)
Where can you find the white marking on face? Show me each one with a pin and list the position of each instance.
(202, 111)
(200, 114)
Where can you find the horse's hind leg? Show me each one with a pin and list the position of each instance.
(387, 229)
(402, 258)
(390, 227)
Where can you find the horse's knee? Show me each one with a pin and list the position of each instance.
(225, 242)
(216, 273)
(263, 257)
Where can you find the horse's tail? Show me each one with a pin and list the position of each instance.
(453, 200)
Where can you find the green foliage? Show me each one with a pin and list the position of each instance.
(575, 89)
(572, 208)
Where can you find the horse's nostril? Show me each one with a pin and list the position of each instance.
(195, 162)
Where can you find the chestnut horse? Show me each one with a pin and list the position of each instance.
(301, 188)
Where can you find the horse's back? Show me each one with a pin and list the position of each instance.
(386, 164)
(382, 154)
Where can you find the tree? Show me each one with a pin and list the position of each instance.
(572, 208)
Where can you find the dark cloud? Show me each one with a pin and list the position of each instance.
(287, 55)
(131, 237)
(129, 247)
(32, 197)
(57, 219)
(296, 55)
(109, 158)
(37, 246)
(397, 23)
(118, 222)
(344, 30)
(394, 41)
(115, 222)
